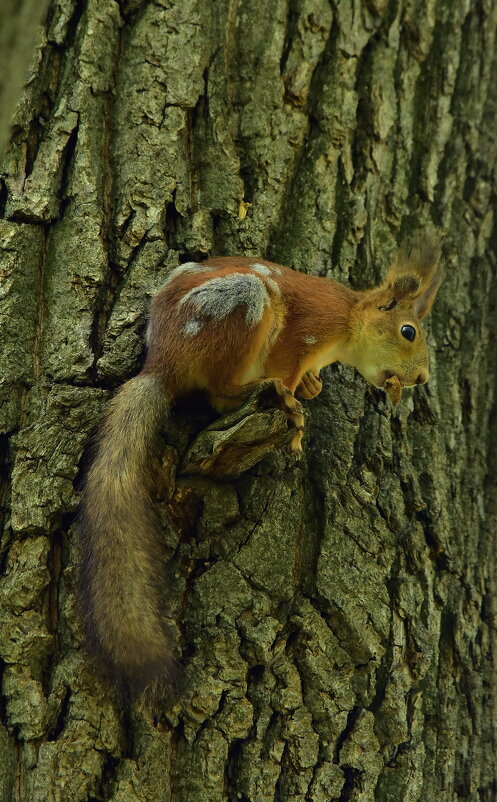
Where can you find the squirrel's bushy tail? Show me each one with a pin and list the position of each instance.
(122, 571)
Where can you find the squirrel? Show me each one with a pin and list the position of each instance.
(225, 326)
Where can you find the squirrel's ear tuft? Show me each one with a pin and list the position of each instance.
(416, 274)
(405, 285)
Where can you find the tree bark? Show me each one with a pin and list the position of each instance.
(18, 36)
(336, 616)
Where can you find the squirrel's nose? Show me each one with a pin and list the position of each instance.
(422, 378)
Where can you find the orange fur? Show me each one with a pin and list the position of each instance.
(310, 323)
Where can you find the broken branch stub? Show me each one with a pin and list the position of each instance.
(237, 441)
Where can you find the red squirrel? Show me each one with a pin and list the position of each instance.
(224, 326)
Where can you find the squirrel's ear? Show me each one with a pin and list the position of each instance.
(403, 285)
(424, 301)
(416, 274)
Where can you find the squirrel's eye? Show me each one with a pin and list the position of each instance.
(409, 332)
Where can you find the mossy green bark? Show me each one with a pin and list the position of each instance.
(19, 35)
(337, 615)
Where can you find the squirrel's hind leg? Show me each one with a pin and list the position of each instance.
(231, 382)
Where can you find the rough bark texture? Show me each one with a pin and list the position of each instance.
(19, 34)
(337, 616)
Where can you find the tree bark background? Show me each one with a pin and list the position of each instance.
(19, 34)
(337, 615)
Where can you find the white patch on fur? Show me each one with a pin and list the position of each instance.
(188, 267)
(310, 340)
(219, 297)
(193, 327)
(264, 270)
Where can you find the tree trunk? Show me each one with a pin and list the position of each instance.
(336, 616)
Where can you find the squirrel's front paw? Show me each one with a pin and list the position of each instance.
(284, 399)
(310, 385)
